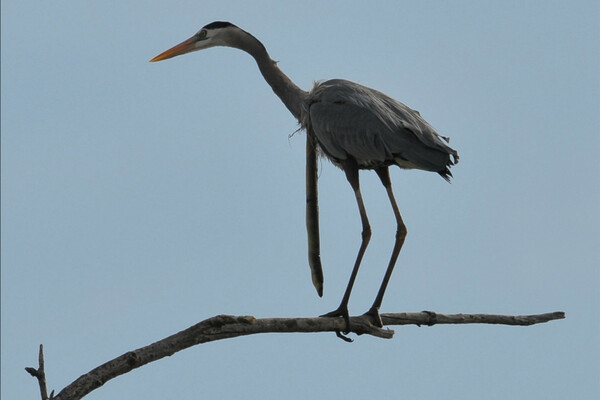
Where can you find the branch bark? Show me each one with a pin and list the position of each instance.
(228, 326)
(40, 374)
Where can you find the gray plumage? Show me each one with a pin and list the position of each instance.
(351, 120)
(356, 128)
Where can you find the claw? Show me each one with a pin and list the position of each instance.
(343, 337)
(342, 311)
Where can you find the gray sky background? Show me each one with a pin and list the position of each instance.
(139, 198)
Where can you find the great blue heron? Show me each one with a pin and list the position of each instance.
(356, 128)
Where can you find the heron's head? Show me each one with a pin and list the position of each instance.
(217, 33)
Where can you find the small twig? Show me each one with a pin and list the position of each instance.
(228, 326)
(40, 374)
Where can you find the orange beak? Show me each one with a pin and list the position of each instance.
(184, 47)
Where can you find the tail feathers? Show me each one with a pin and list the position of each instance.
(452, 160)
(446, 174)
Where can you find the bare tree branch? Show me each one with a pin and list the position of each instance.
(431, 318)
(228, 326)
(40, 374)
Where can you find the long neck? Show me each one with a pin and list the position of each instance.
(290, 94)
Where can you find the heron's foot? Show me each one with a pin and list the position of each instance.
(341, 311)
(374, 317)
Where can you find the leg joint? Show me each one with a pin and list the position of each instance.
(401, 231)
(366, 233)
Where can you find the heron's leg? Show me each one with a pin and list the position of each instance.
(401, 231)
(351, 170)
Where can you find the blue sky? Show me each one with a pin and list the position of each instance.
(139, 198)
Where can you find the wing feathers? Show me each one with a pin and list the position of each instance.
(351, 120)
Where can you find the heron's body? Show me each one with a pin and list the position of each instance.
(353, 121)
(355, 127)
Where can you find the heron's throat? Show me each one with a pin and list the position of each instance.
(290, 94)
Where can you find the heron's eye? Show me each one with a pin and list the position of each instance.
(203, 33)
